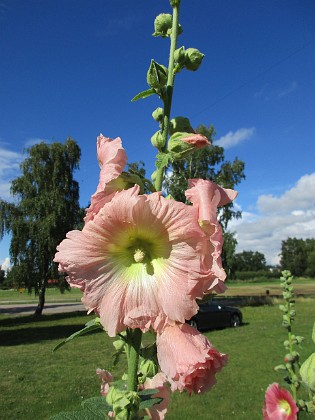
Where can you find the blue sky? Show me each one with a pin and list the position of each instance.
(71, 67)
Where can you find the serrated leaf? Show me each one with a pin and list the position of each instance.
(89, 326)
(149, 403)
(143, 94)
(147, 393)
(96, 404)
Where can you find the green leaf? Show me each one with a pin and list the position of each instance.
(313, 333)
(147, 393)
(143, 94)
(307, 372)
(89, 326)
(149, 402)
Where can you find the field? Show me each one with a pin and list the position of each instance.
(36, 383)
(234, 288)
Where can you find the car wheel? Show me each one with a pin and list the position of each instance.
(193, 323)
(235, 320)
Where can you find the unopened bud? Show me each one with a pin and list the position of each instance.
(181, 145)
(157, 114)
(163, 25)
(156, 75)
(180, 125)
(157, 140)
(193, 59)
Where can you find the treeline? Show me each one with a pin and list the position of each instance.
(298, 256)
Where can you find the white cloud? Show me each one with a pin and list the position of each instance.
(5, 265)
(9, 169)
(286, 91)
(290, 215)
(231, 139)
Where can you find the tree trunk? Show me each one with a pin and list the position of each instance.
(41, 299)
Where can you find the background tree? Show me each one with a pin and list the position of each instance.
(207, 163)
(297, 255)
(228, 253)
(46, 207)
(250, 261)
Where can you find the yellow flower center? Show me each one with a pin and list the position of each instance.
(285, 406)
(139, 255)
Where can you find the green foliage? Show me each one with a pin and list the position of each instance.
(298, 256)
(206, 163)
(250, 261)
(92, 325)
(46, 207)
(259, 276)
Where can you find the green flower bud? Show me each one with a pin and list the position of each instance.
(157, 75)
(193, 59)
(181, 145)
(180, 125)
(125, 403)
(180, 56)
(307, 372)
(157, 114)
(157, 140)
(163, 25)
(148, 368)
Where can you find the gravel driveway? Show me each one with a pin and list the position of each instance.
(50, 308)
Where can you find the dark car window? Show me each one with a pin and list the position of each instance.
(209, 306)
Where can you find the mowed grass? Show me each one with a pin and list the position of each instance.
(302, 286)
(36, 383)
(52, 295)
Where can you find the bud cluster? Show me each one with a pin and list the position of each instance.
(296, 373)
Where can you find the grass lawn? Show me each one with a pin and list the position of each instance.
(36, 383)
(52, 295)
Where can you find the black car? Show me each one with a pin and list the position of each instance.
(213, 314)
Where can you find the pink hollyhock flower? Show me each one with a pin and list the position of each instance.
(139, 262)
(112, 159)
(207, 197)
(188, 359)
(158, 411)
(197, 140)
(279, 404)
(105, 378)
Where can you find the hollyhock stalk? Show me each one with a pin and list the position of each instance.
(167, 100)
(133, 349)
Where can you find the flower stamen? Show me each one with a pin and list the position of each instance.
(139, 255)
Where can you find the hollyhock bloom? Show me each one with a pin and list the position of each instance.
(138, 262)
(105, 378)
(112, 159)
(193, 368)
(207, 196)
(197, 140)
(158, 411)
(279, 404)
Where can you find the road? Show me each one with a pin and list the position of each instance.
(50, 308)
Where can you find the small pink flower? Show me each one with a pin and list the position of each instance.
(207, 196)
(188, 359)
(197, 140)
(112, 159)
(105, 378)
(279, 404)
(158, 411)
(139, 262)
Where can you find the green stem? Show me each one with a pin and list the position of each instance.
(169, 90)
(134, 343)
